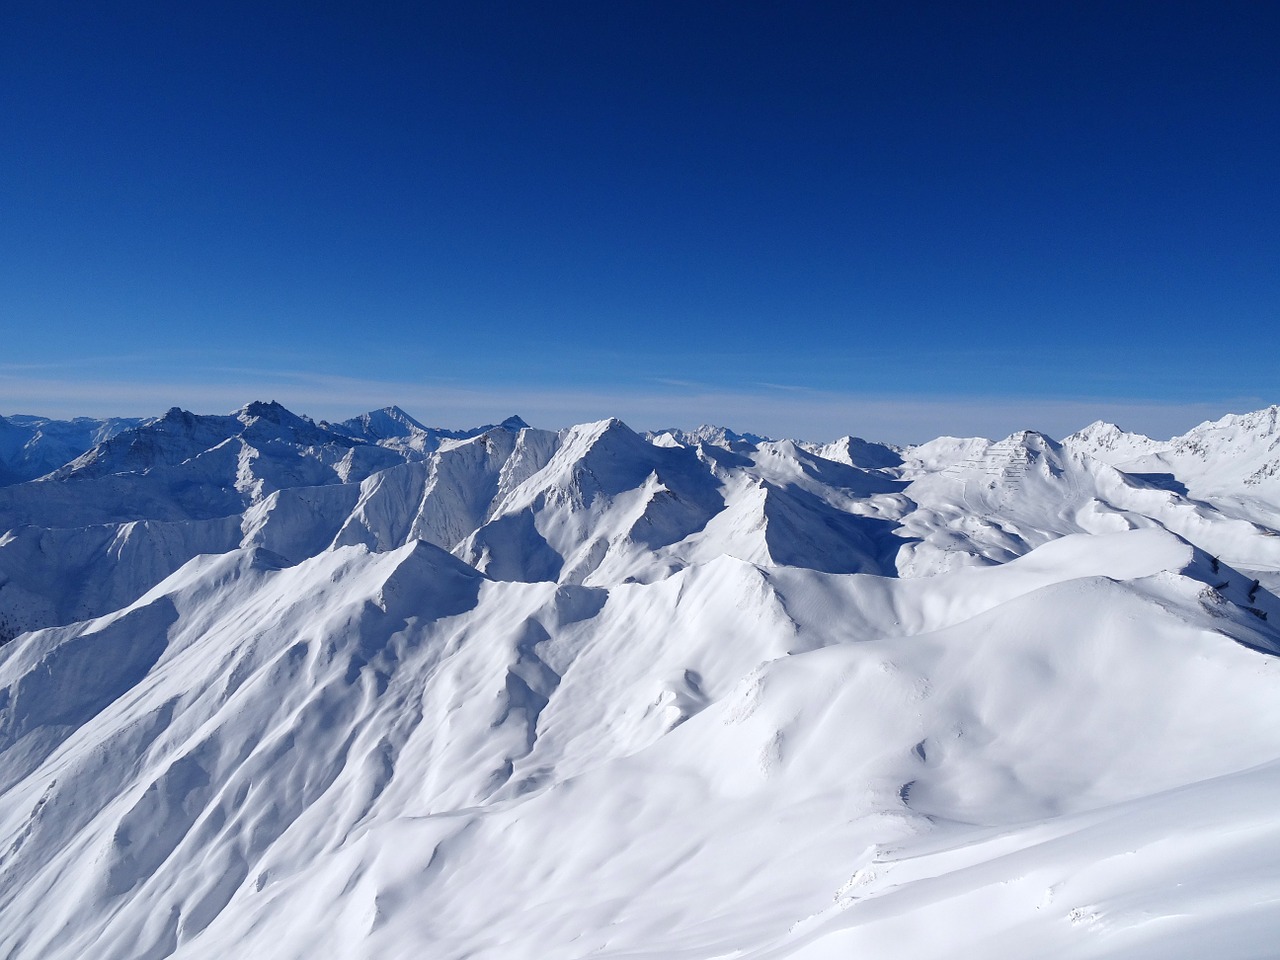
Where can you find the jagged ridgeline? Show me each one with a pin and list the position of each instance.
(285, 688)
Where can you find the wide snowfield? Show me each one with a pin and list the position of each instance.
(369, 690)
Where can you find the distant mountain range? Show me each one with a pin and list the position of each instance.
(275, 687)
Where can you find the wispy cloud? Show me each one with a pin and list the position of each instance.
(786, 387)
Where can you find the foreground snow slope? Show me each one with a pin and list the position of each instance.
(575, 694)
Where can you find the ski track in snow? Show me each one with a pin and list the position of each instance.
(287, 689)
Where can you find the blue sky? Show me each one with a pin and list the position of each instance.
(809, 219)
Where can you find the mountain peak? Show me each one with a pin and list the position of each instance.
(858, 452)
(1029, 440)
(711, 433)
(175, 415)
(1105, 435)
(587, 436)
(268, 410)
(398, 413)
(1099, 429)
(1264, 422)
(386, 423)
(391, 426)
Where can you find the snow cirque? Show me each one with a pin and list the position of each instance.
(290, 689)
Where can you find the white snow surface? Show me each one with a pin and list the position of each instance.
(288, 689)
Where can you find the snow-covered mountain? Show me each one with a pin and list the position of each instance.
(101, 529)
(705, 433)
(297, 689)
(1233, 463)
(392, 427)
(30, 447)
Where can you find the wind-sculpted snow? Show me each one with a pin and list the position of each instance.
(526, 693)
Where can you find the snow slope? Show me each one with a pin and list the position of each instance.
(583, 693)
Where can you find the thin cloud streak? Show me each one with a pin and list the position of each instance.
(805, 414)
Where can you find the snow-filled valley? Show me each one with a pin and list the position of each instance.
(279, 688)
